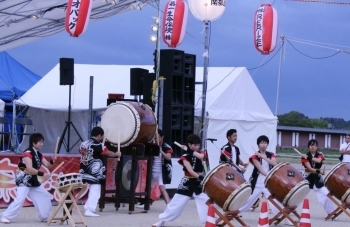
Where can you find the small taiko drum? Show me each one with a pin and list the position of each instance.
(286, 184)
(337, 181)
(66, 180)
(226, 187)
(135, 121)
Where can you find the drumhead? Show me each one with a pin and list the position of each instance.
(346, 197)
(121, 117)
(297, 194)
(211, 172)
(330, 173)
(238, 197)
(273, 170)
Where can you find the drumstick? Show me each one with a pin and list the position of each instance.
(228, 158)
(297, 151)
(59, 166)
(57, 142)
(118, 144)
(181, 146)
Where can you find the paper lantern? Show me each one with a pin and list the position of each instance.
(77, 16)
(174, 22)
(265, 29)
(207, 10)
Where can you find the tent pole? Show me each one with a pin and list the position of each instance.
(91, 95)
(279, 76)
(158, 109)
(13, 133)
(205, 79)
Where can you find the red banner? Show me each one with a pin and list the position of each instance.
(8, 168)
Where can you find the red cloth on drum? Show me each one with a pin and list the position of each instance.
(155, 192)
(105, 149)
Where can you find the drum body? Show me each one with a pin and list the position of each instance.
(287, 184)
(65, 181)
(135, 122)
(226, 187)
(337, 181)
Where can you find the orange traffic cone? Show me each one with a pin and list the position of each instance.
(210, 217)
(305, 214)
(264, 215)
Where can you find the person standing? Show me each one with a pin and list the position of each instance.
(27, 181)
(344, 149)
(230, 157)
(263, 161)
(312, 161)
(190, 185)
(92, 168)
(162, 168)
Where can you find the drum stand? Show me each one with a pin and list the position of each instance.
(340, 208)
(284, 213)
(63, 203)
(226, 217)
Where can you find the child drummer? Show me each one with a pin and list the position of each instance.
(263, 161)
(189, 186)
(230, 152)
(312, 161)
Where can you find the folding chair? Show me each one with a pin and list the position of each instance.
(5, 122)
(24, 122)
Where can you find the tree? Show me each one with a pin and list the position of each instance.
(295, 118)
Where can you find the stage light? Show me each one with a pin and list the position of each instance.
(153, 38)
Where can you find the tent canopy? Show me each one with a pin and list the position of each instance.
(232, 94)
(15, 79)
(18, 26)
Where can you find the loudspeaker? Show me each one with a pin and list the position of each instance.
(66, 71)
(136, 80)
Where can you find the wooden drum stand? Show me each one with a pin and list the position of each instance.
(63, 203)
(341, 207)
(284, 213)
(226, 217)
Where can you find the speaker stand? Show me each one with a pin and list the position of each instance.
(67, 129)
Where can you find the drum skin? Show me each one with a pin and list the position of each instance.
(135, 122)
(337, 181)
(281, 180)
(216, 185)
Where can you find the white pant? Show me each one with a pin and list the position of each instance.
(178, 203)
(40, 197)
(255, 196)
(157, 176)
(321, 194)
(93, 197)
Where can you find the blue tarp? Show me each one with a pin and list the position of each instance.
(14, 77)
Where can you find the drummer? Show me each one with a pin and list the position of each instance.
(92, 168)
(312, 161)
(345, 149)
(263, 161)
(226, 152)
(190, 185)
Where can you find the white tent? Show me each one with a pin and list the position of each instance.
(233, 101)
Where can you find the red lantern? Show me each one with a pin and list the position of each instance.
(77, 16)
(174, 22)
(265, 29)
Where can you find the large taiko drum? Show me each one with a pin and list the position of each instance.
(135, 121)
(226, 187)
(287, 184)
(337, 181)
